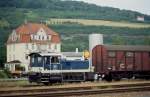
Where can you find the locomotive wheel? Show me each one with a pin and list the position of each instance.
(108, 78)
(117, 78)
(46, 84)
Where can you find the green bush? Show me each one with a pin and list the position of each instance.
(5, 74)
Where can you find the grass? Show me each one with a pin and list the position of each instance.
(18, 83)
(25, 83)
(87, 22)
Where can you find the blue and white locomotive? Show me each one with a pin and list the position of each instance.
(52, 67)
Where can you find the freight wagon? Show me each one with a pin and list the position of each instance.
(121, 61)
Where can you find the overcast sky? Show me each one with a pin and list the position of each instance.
(142, 6)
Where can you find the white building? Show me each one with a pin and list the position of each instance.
(140, 18)
(28, 38)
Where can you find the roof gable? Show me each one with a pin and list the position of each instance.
(41, 32)
(26, 32)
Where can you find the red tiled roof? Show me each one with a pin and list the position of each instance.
(55, 39)
(31, 28)
(26, 30)
(25, 38)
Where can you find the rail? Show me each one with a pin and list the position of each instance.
(57, 92)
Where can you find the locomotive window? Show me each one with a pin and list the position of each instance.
(129, 54)
(55, 59)
(39, 59)
(47, 60)
(32, 59)
(111, 54)
(55, 67)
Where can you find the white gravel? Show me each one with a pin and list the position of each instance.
(125, 94)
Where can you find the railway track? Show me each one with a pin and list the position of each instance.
(59, 92)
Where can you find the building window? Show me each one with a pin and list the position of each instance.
(32, 46)
(26, 57)
(55, 47)
(14, 47)
(42, 37)
(9, 57)
(49, 46)
(9, 48)
(129, 54)
(47, 37)
(13, 37)
(27, 47)
(39, 37)
(111, 54)
(32, 37)
(13, 57)
(38, 46)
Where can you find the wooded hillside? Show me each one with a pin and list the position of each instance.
(14, 12)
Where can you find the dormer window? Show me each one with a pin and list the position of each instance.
(32, 37)
(39, 37)
(14, 37)
(49, 37)
(35, 37)
(42, 37)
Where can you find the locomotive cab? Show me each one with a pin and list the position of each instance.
(41, 62)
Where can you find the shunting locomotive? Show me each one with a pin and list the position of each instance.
(54, 67)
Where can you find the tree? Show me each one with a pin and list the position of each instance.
(118, 40)
(147, 40)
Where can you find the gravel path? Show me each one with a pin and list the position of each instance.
(5, 87)
(131, 94)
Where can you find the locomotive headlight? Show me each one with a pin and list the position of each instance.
(86, 54)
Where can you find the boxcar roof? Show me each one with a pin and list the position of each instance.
(127, 47)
